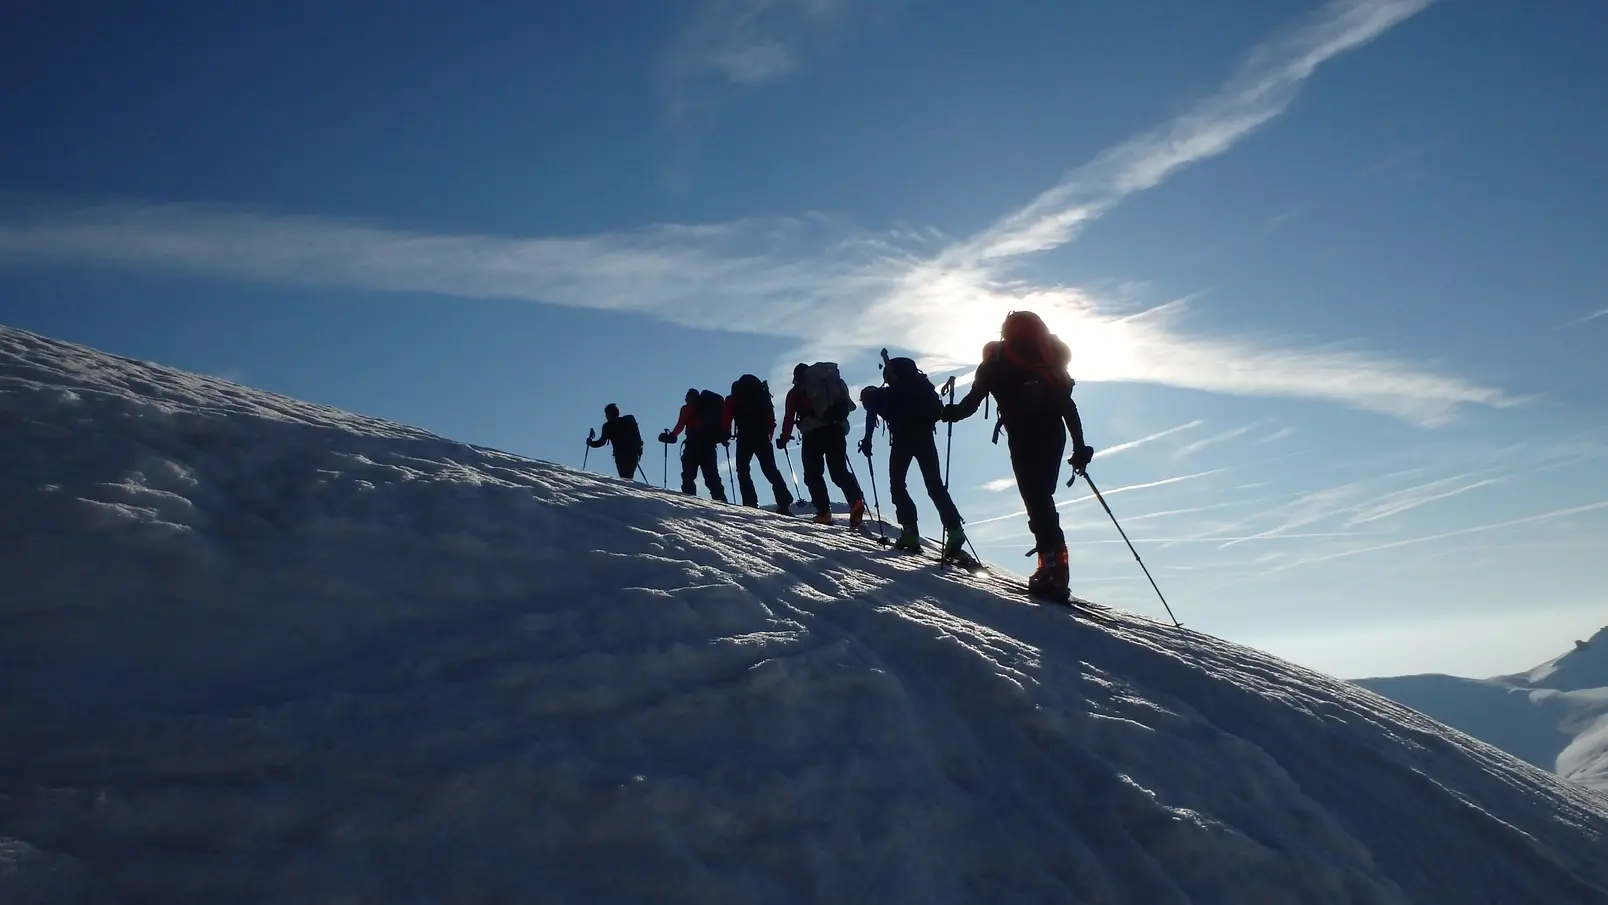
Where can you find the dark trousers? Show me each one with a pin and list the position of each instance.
(626, 463)
(923, 450)
(1036, 446)
(757, 445)
(700, 456)
(826, 449)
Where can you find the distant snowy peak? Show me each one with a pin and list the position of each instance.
(1584, 667)
(1554, 716)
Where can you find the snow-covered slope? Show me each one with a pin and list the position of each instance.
(253, 650)
(1554, 716)
(1582, 668)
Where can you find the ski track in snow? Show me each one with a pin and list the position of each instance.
(257, 650)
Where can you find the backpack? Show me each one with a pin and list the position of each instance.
(627, 436)
(710, 406)
(751, 403)
(1045, 383)
(912, 397)
(827, 393)
(1027, 343)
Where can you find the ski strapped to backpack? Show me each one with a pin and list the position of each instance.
(827, 393)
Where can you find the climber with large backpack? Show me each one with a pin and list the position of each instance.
(701, 417)
(622, 431)
(750, 418)
(1026, 372)
(819, 404)
(910, 406)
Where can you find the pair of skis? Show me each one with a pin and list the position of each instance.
(978, 570)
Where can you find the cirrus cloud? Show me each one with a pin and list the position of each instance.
(836, 289)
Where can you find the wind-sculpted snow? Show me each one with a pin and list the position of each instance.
(260, 651)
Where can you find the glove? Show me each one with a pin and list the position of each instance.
(865, 447)
(664, 437)
(591, 433)
(1081, 456)
(725, 440)
(781, 442)
(951, 413)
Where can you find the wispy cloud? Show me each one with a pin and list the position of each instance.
(1109, 492)
(999, 484)
(728, 47)
(1404, 501)
(1588, 318)
(839, 291)
(1189, 449)
(1283, 433)
(1353, 504)
(1110, 451)
(1460, 532)
(1266, 83)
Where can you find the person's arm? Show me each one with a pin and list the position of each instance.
(603, 437)
(1074, 422)
(981, 386)
(871, 414)
(789, 414)
(1082, 453)
(726, 418)
(681, 422)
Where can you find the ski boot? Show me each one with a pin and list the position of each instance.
(856, 513)
(1051, 580)
(823, 518)
(909, 540)
(784, 506)
(954, 546)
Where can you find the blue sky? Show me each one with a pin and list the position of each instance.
(1330, 272)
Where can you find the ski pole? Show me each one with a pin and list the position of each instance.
(797, 496)
(643, 472)
(949, 442)
(665, 484)
(882, 537)
(1176, 623)
(585, 456)
(731, 480)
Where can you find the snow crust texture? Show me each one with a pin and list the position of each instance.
(259, 651)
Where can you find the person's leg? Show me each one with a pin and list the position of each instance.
(689, 469)
(836, 444)
(932, 474)
(904, 508)
(745, 481)
(765, 452)
(1036, 448)
(814, 456)
(709, 462)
